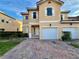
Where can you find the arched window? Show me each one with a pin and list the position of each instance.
(49, 11)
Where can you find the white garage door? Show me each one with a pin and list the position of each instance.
(73, 31)
(49, 33)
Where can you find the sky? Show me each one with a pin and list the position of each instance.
(13, 8)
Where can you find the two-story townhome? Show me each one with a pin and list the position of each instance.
(48, 22)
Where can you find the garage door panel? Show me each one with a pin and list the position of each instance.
(49, 33)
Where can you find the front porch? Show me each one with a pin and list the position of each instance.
(34, 31)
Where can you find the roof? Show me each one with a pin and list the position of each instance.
(32, 9)
(42, 1)
(24, 13)
(7, 15)
(73, 17)
(66, 11)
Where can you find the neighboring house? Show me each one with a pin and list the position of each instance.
(47, 21)
(9, 24)
(20, 25)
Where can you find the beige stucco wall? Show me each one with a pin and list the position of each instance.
(31, 17)
(56, 8)
(65, 16)
(11, 26)
(20, 25)
(25, 26)
(45, 21)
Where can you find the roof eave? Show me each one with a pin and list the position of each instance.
(65, 11)
(60, 2)
(23, 13)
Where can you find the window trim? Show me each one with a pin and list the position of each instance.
(63, 17)
(53, 11)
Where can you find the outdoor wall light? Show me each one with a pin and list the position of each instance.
(70, 23)
(50, 25)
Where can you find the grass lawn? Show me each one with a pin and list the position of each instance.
(7, 45)
(75, 45)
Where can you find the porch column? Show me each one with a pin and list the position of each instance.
(78, 32)
(60, 33)
(30, 34)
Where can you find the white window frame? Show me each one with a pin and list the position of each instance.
(53, 11)
(63, 16)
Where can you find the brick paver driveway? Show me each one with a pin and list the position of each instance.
(38, 49)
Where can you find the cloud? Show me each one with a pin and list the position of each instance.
(14, 7)
(72, 5)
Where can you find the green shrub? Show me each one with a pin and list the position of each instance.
(7, 35)
(66, 36)
(22, 34)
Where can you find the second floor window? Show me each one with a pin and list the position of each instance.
(49, 12)
(34, 15)
(26, 17)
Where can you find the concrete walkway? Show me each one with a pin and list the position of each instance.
(38, 49)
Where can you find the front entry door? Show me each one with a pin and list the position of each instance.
(36, 31)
